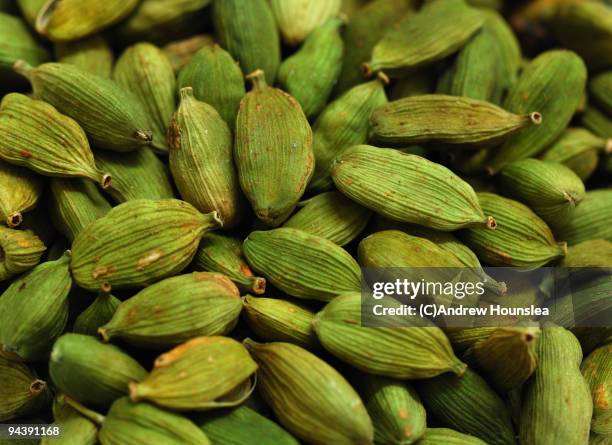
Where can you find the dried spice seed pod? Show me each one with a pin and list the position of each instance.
(34, 310)
(201, 159)
(96, 315)
(74, 426)
(35, 135)
(22, 393)
(309, 397)
(272, 151)
(381, 179)
(446, 436)
(298, 19)
(180, 52)
(20, 191)
(222, 253)
(249, 32)
(597, 372)
(201, 374)
(113, 118)
(447, 119)
(590, 253)
(302, 265)
(591, 219)
(92, 54)
(146, 71)
(20, 250)
(203, 303)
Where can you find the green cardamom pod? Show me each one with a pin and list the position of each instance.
(138, 242)
(96, 315)
(557, 405)
(343, 123)
(29, 10)
(273, 319)
(591, 219)
(203, 303)
(463, 339)
(275, 162)
(418, 119)
(299, 19)
(91, 372)
(381, 178)
(201, 159)
(216, 79)
(92, 54)
(75, 427)
(34, 310)
(332, 216)
(201, 374)
(35, 135)
(600, 87)
(219, 252)
(22, 392)
(597, 371)
(20, 250)
(446, 436)
(553, 84)
(521, 239)
(309, 397)
(597, 122)
(180, 52)
(469, 405)
(20, 191)
(310, 73)
(250, 34)
(302, 265)
(113, 118)
(590, 253)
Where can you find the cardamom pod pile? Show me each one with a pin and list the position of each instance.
(190, 190)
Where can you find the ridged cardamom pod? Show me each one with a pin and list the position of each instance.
(464, 338)
(447, 119)
(201, 159)
(302, 265)
(342, 124)
(591, 219)
(553, 84)
(20, 250)
(137, 174)
(381, 178)
(220, 252)
(34, 310)
(597, 122)
(310, 73)
(556, 403)
(395, 408)
(275, 162)
(244, 426)
(202, 303)
(578, 149)
(75, 427)
(113, 118)
(129, 422)
(469, 405)
(590, 253)
(35, 135)
(138, 242)
(273, 319)
(250, 34)
(298, 19)
(91, 372)
(597, 371)
(180, 52)
(203, 373)
(146, 71)
(309, 397)
(410, 43)
(521, 239)
(65, 20)
(332, 216)
(73, 204)
(22, 392)
(216, 79)
(405, 349)
(20, 190)
(364, 29)
(92, 54)
(446, 436)
(551, 190)
(96, 315)
(600, 87)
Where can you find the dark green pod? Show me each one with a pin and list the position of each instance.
(34, 309)
(249, 32)
(22, 393)
(597, 372)
(600, 87)
(91, 372)
(310, 74)
(20, 250)
(92, 54)
(20, 190)
(76, 428)
(597, 122)
(216, 79)
(96, 315)
(446, 436)
(591, 220)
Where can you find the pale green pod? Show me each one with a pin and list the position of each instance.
(20, 250)
(216, 79)
(302, 265)
(298, 19)
(342, 124)
(310, 73)
(597, 371)
(34, 310)
(590, 253)
(137, 174)
(201, 159)
(180, 52)
(591, 220)
(144, 70)
(446, 436)
(597, 122)
(332, 216)
(22, 393)
(92, 54)
(20, 191)
(202, 303)
(249, 32)
(96, 315)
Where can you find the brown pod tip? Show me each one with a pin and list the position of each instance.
(14, 219)
(133, 388)
(459, 368)
(608, 148)
(536, 117)
(491, 223)
(144, 135)
(38, 386)
(23, 68)
(103, 333)
(105, 288)
(366, 70)
(563, 247)
(257, 78)
(44, 15)
(381, 76)
(259, 285)
(105, 181)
